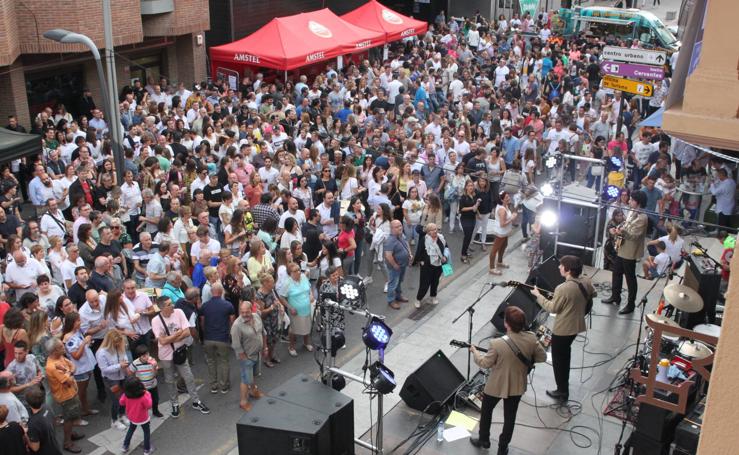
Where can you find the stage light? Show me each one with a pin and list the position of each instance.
(551, 162)
(377, 334)
(338, 340)
(383, 380)
(616, 162)
(352, 292)
(611, 192)
(548, 219)
(547, 190)
(338, 382)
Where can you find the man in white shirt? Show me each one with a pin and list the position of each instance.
(328, 223)
(84, 218)
(724, 189)
(456, 87)
(555, 135)
(158, 96)
(501, 71)
(473, 37)
(52, 222)
(461, 146)
(205, 242)
(268, 174)
(292, 212)
(139, 304)
(643, 149)
(70, 264)
(200, 182)
(434, 128)
(21, 274)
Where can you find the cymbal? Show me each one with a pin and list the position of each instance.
(662, 320)
(708, 329)
(683, 298)
(694, 349)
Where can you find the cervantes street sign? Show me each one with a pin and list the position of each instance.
(627, 85)
(625, 54)
(656, 73)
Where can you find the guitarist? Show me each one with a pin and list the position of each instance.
(628, 251)
(507, 380)
(570, 302)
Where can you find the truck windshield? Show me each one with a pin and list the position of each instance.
(664, 35)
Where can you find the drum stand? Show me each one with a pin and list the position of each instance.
(637, 361)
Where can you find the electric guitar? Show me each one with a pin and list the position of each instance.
(465, 345)
(518, 284)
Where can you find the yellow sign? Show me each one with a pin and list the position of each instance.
(627, 85)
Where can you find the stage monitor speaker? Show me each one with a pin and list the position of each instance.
(429, 387)
(276, 426)
(314, 395)
(546, 275)
(519, 297)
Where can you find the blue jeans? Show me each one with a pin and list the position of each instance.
(357, 257)
(247, 369)
(592, 180)
(394, 282)
(147, 435)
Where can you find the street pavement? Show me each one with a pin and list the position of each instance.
(216, 433)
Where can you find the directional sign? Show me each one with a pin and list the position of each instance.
(627, 85)
(656, 73)
(625, 54)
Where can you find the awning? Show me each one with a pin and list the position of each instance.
(654, 120)
(290, 42)
(377, 17)
(15, 145)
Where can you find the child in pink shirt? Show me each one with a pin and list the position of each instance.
(137, 401)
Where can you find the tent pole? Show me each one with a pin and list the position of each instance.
(286, 76)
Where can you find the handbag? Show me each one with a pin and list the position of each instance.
(447, 269)
(179, 355)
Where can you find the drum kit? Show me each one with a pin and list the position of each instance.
(686, 300)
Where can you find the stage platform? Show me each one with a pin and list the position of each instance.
(430, 329)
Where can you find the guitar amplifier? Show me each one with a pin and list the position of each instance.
(688, 431)
(706, 281)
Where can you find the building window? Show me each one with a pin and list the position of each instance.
(52, 87)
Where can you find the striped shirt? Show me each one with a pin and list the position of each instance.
(146, 372)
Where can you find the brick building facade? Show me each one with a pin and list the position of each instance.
(151, 38)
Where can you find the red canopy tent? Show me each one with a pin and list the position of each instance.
(290, 42)
(395, 26)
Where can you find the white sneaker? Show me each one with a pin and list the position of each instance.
(118, 425)
(385, 289)
(417, 304)
(434, 301)
(83, 423)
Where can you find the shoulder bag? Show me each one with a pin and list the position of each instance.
(528, 363)
(179, 355)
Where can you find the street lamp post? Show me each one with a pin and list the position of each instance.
(65, 36)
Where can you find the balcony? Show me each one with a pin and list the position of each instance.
(149, 7)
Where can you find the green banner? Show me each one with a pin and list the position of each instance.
(529, 6)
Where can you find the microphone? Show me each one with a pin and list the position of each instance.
(500, 284)
(696, 243)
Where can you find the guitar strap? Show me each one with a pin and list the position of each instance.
(528, 363)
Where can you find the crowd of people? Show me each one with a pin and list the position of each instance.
(238, 206)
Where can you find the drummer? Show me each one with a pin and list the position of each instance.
(569, 302)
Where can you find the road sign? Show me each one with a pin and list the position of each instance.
(627, 85)
(656, 73)
(625, 54)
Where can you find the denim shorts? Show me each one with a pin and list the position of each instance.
(248, 369)
(83, 377)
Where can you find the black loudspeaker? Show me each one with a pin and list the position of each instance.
(276, 426)
(429, 387)
(519, 297)
(546, 275)
(308, 393)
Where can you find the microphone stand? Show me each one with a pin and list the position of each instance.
(634, 361)
(470, 310)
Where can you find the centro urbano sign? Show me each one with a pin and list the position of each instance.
(246, 58)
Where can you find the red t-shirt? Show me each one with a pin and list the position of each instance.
(344, 241)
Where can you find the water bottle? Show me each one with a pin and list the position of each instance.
(440, 431)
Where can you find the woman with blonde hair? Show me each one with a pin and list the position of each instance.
(77, 347)
(270, 308)
(259, 260)
(113, 362)
(212, 277)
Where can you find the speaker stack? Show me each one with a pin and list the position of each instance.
(300, 417)
(432, 385)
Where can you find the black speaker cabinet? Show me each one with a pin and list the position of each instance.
(429, 387)
(519, 297)
(308, 393)
(276, 426)
(546, 275)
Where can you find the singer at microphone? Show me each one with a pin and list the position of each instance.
(570, 303)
